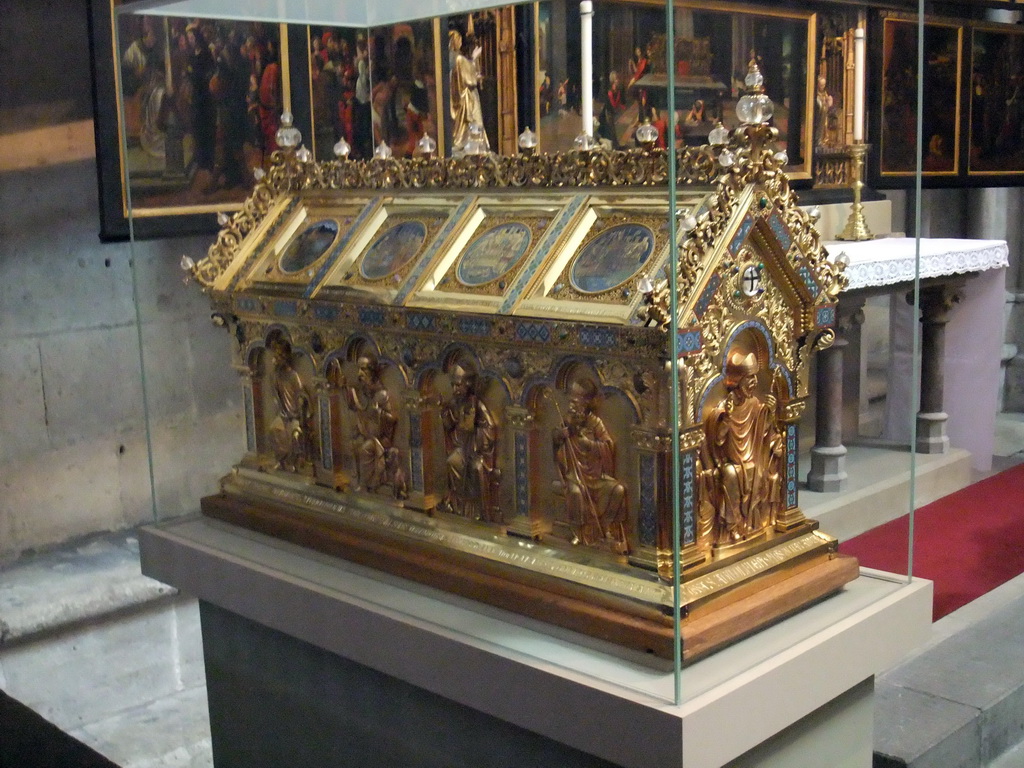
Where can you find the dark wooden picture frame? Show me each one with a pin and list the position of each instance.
(996, 103)
(151, 154)
(895, 105)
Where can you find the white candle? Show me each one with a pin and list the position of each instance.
(859, 75)
(587, 66)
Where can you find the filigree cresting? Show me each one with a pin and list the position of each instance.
(594, 168)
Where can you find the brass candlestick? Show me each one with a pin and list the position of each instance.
(856, 227)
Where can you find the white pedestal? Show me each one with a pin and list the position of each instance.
(799, 691)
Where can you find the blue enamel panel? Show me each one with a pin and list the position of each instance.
(494, 253)
(707, 295)
(250, 419)
(542, 250)
(339, 249)
(474, 326)
(690, 342)
(371, 316)
(284, 308)
(602, 338)
(688, 492)
(432, 249)
(326, 446)
(522, 475)
(309, 246)
(325, 312)
(419, 322)
(781, 231)
(825, 317)
(527, 331)
(648, 522)
(741, 234)
(808, 277)
(611, 258)
(791, 466)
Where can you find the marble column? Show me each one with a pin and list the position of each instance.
(936, 303)
(828, 456)
(850, 322)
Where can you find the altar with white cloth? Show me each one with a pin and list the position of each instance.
(961, 311)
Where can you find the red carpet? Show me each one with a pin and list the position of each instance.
(968, 543)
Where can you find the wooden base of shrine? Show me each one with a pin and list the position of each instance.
(717, 621)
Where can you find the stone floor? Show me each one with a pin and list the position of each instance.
(115, 658)
(106, 654)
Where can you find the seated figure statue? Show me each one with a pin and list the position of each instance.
(471, 442)
(595, 501)
(741, 456)
(377, 458)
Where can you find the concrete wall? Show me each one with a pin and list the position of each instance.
(73, 431)
(73, 452)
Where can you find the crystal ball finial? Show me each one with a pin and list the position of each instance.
(288, 136)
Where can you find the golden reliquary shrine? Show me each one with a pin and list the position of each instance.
(459, 371)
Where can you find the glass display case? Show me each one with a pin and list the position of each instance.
(562, 366)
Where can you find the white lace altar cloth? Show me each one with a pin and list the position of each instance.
(891, 260)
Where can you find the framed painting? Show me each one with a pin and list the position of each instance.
(339, 91)
(896, 125)
(186, 110)
(713, 48)
(404, 77)
(373, 85)
(996, 103)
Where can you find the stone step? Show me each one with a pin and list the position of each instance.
(107, 655)
(75, 585)
(958, 701)
(879, 488)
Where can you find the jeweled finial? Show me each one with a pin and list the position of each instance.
(646, 134)
(754, 107)
(426, 146)
(287, 136)
(528, 141)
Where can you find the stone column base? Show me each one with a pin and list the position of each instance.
(931, 433)
(828, 469)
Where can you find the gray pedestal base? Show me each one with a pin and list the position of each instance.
(931, 433)
(828, 469)
(318, 662)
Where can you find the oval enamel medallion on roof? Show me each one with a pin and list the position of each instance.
(612, 258)
(314, 241)
(493, 254)
(393, 250)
